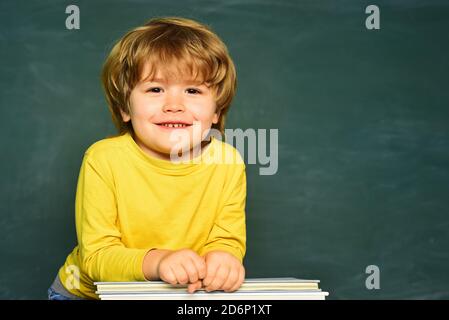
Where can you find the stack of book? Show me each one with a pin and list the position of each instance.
(251, 289)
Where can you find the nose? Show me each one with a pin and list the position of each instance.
(173, 103)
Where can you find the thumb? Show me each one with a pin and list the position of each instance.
(192, 287)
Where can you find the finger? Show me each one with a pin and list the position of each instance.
(200, 265)
(167, 274)
(211, 270)
(220, 278)
(181, 275)
(240, 280)
(191, 288)
(191, 271)
(233, 277)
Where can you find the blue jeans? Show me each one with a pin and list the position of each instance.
(53, 295)
(58, 292)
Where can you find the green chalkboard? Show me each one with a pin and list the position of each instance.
(362, 117)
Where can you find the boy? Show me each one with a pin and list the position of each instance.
(140, 215)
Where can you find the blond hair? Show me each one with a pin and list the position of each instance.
(175, 45)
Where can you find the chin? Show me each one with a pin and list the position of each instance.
(175, 146)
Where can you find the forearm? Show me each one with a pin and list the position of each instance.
(112, 263)
(151, 263)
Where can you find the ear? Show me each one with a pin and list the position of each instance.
(126, 117)
(216, 117)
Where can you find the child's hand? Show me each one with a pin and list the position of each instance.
(224, 272)
(182, 267)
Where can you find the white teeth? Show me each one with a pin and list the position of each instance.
(174, 125)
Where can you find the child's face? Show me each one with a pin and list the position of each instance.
(170, 100)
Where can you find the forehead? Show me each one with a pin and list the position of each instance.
(174, 72)
(166, 80)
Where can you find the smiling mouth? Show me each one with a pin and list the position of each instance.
(173, 125)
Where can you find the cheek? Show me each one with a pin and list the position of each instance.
(142, 111)
(205, 113)
(205, 119)
(141, 107)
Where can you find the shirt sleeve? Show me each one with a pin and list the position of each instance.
(103, 257)
(229, 230)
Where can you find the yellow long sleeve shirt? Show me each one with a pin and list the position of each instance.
(128, 202)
